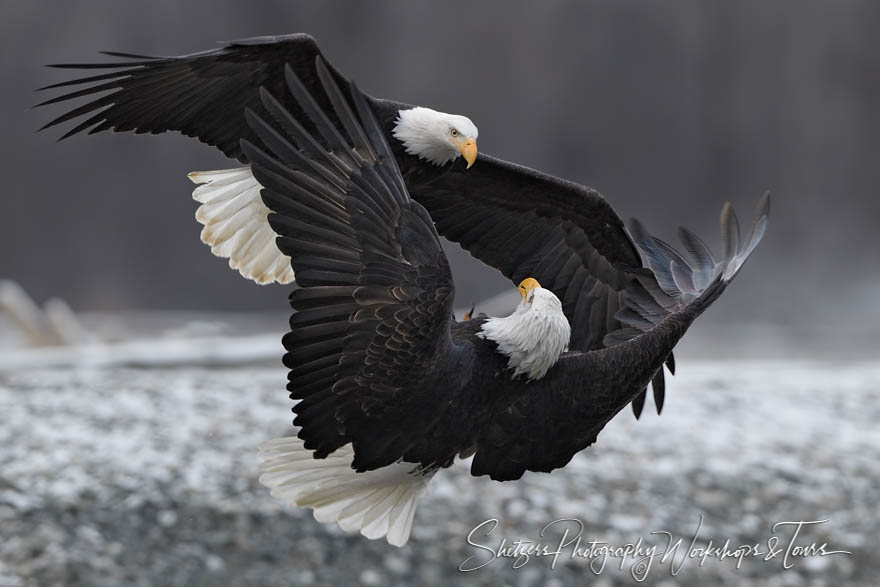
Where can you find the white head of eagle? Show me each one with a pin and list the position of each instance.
(535, 335)
(436, 137)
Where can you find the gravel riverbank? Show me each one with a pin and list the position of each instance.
(114, 475)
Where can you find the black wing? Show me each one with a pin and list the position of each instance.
(530, 224)
(373, 312)
(585, 390)
(203, 95)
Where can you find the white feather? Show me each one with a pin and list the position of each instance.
(534, 336)
(376, 503)
(236, 226)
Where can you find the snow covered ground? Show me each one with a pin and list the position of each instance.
(135, 469)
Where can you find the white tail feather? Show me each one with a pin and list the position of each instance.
(236, 226)
(377, 503)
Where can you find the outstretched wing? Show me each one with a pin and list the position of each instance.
(202, 95)
(530, 224)
(585, 390)
(373, 312)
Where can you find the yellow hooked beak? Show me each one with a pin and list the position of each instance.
(527, 285)
(467, 148)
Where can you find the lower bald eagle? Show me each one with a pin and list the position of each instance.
(391, 387)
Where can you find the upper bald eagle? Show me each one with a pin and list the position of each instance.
(391, 387)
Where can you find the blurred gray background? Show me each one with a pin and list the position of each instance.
(668, 109)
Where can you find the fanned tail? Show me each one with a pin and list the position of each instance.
(376, 503)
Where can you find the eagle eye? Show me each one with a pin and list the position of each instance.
(453, 132)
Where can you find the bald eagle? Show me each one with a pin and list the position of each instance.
(390, 387)
(204, 95)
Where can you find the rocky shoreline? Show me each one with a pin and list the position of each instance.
(118, 476)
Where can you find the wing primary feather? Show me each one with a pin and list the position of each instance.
(84, 109)
(759, 224)
(392, 176)
(273, 170)
(129, 64)
(285, 151)
(670, 363)
(700, 252)
(684, 278)
(371, 126)
(729, 234)
(346, 116)
(325, 128)
(638, 404)
(87, 80)
(153, 90)
(79, 93)
(83, 125)
(658, 384)
(292, 126)
(701, 255)
(671, 254)
(129, 55)
(288, 153)
(101, 127)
